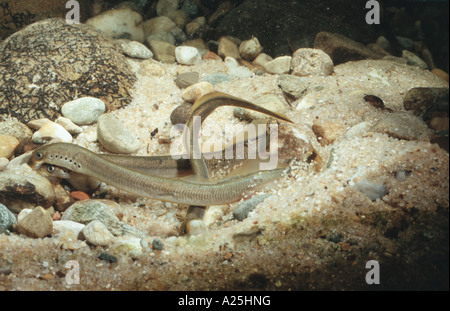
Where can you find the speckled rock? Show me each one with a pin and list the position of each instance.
(60, 62)
(88, 210)
(20, 188)
(37, 224)
(403, 125)
(342, 49)
(119, 23)
(51, 131)
(216, 78)
(96, 233)
(83, 111)
(166, 7)
(7, 219)
(7, 145)
(306, 62)
(135, 49)
(16, 129)
(250, 49)
(158, 24)
(114, 136)
(292, 85)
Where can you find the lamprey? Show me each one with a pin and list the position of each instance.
(202, 108)
(84, 161)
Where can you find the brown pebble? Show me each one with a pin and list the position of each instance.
(212, 55)
(47, 276)
(375, 101)
(79, 195)
(180, 115)
(56, 216)
(440, 73)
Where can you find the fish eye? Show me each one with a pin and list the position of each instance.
(39, 155)
(50, 169)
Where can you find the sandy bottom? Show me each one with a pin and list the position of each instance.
(314, 232)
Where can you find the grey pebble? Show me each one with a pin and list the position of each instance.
(157, 245)
(186, 79)
(292, 85)
(7, 219)
(136, 49)
(113, 135)
(216, 78)
(242, 210)
(89, 210)
(83, 111)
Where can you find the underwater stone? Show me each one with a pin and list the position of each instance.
(136, 49)
(114, 136)
(8, 144)
(280, 65)
(16, 129)
(311, 62)
(423, 100)
(228, 48)
(292, 85)
(187, 55)
(342, 49)
(242, 210)
(7, 219)
(166, 7)
(403, 125)
(52, 130)
(195, 91)
(186, 79)
(250, 49)
(414, 60)
(37, 224)
(163, 51)
(51, 62)
(96, 233)
(122, 23)
(216, 78)
(83, 111)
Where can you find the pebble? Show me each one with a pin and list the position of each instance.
(107, 257)
(88, 210)
(311, 62)
(19, 186)
(51, 131)
(3, 163)
(163, 51)
(190, 7)
(192, 28)
(227, 48)
(187, 55)
(71, 127)
(250, 49)
(327, 131)
(152, 68)
(212, 56)
(60, 227)
(195, 91)
(439, 124)
(119, 23)
(235, 70)
(342, 49)
(157, 245)
(96, 233)
(280, 65)
(166, 7)
(157, 24)
(294, 144)
(423, 100)
(8, 144)
(199, 44)
(402, 125)
(292, 85)
(136, 49)
(37, 224)
(358, 130)
(186, 79)
(180, 114)
(83, 111)
(16, 129)
(413, 60)
(262, 59)
(243, 209)
(179, 17)
(113, 135)
(7, 219)
(162, 36)
(216, 78)
(38, 123)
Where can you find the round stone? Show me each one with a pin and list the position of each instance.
(83, 111)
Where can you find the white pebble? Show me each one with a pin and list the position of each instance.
(52, 130)
(83, 111)
(187, 55)
(279, 65)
